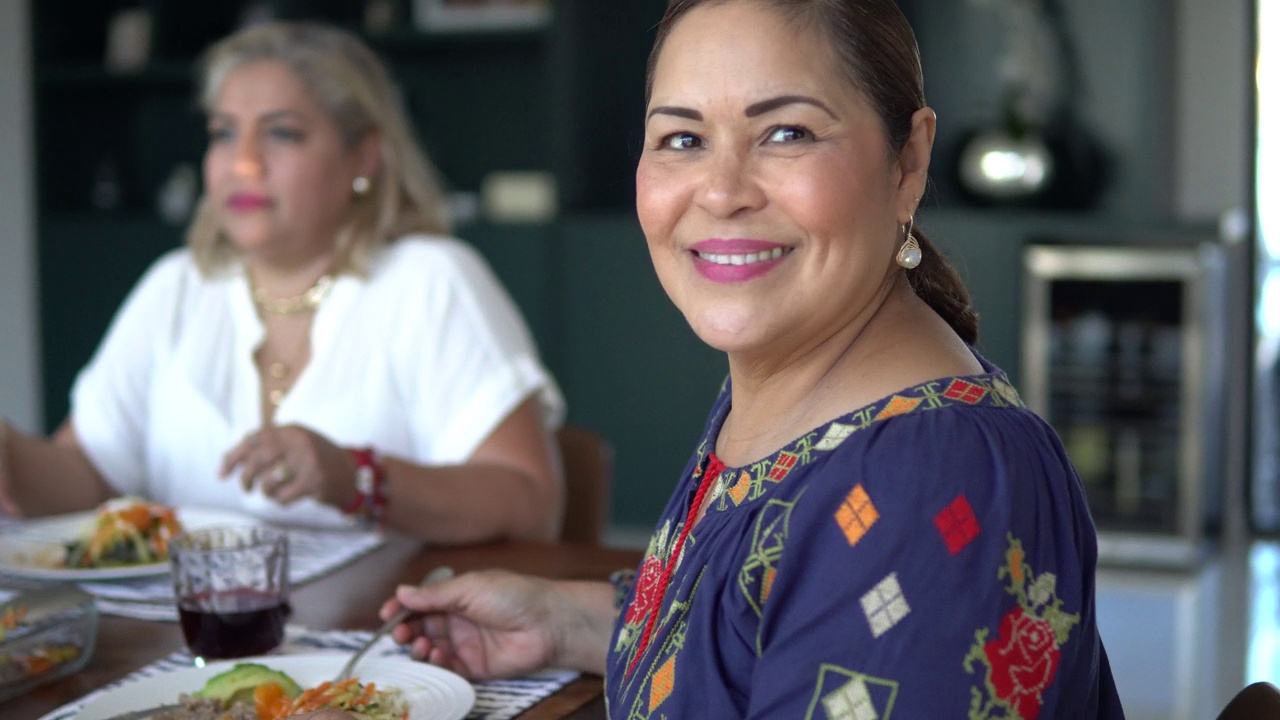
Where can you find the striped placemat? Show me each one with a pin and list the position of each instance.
(495, 699)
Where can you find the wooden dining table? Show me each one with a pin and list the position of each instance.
(349, 598)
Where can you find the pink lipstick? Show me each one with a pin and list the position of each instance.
(736, 260)
(248, 202)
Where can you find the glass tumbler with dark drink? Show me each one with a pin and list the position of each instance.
(232, 590)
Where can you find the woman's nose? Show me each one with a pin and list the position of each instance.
(248, 159)
(729, 187)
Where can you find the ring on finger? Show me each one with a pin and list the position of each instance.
(281, 473)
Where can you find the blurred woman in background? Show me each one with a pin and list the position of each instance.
(321, 352)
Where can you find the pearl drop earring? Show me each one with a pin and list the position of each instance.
(909, 255)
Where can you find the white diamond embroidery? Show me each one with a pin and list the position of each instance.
(835, 435)
(884, 605)
(850, 701)
(716, 491)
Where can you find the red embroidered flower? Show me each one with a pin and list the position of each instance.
(646, 590)
(1023, 661)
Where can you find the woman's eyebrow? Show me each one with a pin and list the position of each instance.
(753, 110)
(687, 113)
(772, 104)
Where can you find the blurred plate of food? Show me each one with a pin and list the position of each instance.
(385, 688)
(122, 538)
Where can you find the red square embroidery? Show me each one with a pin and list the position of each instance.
(782, 466)
(957, 524)
(965, 392)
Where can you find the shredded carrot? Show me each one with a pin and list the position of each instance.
(138, 516)
(349, 694)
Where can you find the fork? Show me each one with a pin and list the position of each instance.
(439, 574)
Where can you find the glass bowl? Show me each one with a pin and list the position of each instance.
(45, 635)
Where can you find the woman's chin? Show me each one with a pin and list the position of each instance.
(249, 243)
(726, 332)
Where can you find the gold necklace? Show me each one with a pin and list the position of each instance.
(309, 300)
(281, 373)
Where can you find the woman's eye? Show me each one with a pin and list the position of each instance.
(220, 134)
(286, 134)
(789, 133)
(681, 141)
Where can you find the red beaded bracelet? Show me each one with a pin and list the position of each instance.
(371, 479)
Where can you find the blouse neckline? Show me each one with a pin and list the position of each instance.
(988, 388)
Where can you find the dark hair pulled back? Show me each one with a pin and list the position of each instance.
(878, 52)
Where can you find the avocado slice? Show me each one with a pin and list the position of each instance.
(236, 685)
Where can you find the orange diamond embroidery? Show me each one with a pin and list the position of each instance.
(856, 515)
(663, 682)
(965, 392)
(740, 489)
(898, 406)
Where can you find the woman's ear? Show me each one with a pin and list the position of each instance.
(369, 154)
(913, 161)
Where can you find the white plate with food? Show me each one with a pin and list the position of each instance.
(39, 548)
(429, 692)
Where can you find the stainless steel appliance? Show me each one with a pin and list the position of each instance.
(1122, 354)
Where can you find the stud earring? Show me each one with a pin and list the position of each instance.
(360, 185)
(909, 255)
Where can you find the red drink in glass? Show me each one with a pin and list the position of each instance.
(233, 624)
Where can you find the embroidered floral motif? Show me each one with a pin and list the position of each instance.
(654, 591)
(657, 684)
(1022, 661)
(645, 599)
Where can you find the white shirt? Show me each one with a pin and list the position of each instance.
(421, 360)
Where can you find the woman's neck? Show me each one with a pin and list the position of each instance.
(284, 278)
(897, 343)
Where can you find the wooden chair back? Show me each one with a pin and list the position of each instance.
(1259, 701)
(588, 474)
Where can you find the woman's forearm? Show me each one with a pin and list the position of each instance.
(43, 477)
(587, 626)
(470, 503)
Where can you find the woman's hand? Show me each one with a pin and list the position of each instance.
(291, 462)
(484, 625)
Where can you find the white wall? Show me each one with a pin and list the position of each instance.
(19, 346)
